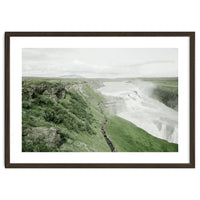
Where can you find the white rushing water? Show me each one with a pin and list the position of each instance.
(132, 101)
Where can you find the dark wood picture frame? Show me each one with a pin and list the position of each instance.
(191, 36)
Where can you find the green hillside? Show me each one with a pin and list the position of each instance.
(129, 138)
(62, 115)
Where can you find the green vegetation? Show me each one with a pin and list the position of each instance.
(47, 104)
(134, 139)
(62, 115)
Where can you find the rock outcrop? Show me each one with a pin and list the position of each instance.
(47, 136)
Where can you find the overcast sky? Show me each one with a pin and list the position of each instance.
(100, 62)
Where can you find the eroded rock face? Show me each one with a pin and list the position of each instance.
(43, 135)
(53, 91)
(28, 92)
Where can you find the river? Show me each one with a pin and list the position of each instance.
(133, 102)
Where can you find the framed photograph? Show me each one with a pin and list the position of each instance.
(99, 99)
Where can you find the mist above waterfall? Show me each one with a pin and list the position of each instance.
(132, 100)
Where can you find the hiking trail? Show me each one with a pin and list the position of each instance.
(104, 132)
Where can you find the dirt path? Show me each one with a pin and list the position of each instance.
(104, 132)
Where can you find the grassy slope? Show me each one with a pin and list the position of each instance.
(42, 111)
(129, 138)
(126, 137)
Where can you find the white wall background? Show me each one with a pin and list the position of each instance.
(104, 15)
